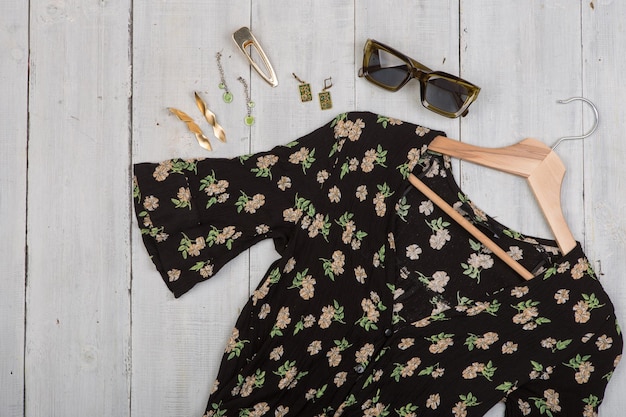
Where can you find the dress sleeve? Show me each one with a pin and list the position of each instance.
(573, 386)
(196, 215)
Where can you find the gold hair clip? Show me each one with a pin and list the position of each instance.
(193, 127)
(244, 38)
(218, 131)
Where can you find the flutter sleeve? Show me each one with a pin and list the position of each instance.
(196, 215)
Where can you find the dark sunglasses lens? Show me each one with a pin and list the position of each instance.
(445, 94)
(387, 69)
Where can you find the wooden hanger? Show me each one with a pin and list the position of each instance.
(531, 159)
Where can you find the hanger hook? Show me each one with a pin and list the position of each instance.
(593, 128)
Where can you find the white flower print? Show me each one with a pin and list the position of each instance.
(289, 265)
(314, 347)
(262, 229)
(281, 411)
(322, 176)
(405, 343)
(334, 194)
(509, 348)
(360, 274)
(162, 171)
(604, 342)
(480, 260)
(438, 282)
(433, 401)
(265, 311)
(413, 252)
(519, 292)
(426, 207)
(561, 296)
(151, 203)
(340, 379)
(439, 239)
(284, 183)
(524, 407)
(578, 271)
(515, 252)
(361, 192)
(173, 274)
(421, 131)
(277, 353)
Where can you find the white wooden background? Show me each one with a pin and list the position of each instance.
(87, 326)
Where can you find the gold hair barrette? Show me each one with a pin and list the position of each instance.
(244, 38)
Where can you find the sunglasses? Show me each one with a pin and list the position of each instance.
(440, 92)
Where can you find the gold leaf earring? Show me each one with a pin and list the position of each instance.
(305, 90)
(325, 100)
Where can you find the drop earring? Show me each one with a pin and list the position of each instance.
(325, 100)
(227, 96)
(305, 89)
(249, 119)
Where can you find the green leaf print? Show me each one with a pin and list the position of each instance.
(469, 400)
(407, 410)
(437, 224)
(308, 162)
(244, 158)
(402, 209)
(382, 120)
(184, 246)
(345, 168)
(340, 117)
(178, 166)
(476, 246)
(217, 410)
(592, 301)
(385, 190)
(506, 386)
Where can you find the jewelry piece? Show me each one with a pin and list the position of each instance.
(249, 119)
(244, 38)
(227, 96)
(218, 131)
(193, 127)
(305, 90)
(325, 101)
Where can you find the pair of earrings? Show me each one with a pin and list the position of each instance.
(324, 96)
(203, 141)
(227, 96)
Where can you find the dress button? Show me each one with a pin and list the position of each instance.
(359, 369)
(388, 332)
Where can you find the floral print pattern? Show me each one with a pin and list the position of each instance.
(380, 305)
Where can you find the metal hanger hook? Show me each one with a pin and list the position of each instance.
(593, 128)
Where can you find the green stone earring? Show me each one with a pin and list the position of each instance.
(227, 96)
(249, 119)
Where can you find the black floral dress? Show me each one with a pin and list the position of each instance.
(380, 304)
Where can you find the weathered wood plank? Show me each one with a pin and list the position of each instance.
(178, 343)
(13, 148)
(427, 31)
(78, 308)
(525, 62)
(604, 40)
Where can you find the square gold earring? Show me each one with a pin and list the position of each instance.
(324, 96)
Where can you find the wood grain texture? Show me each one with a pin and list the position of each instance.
(88, 327)
(603, 40)
(78, 309)
(178, 343)
(13, 162)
